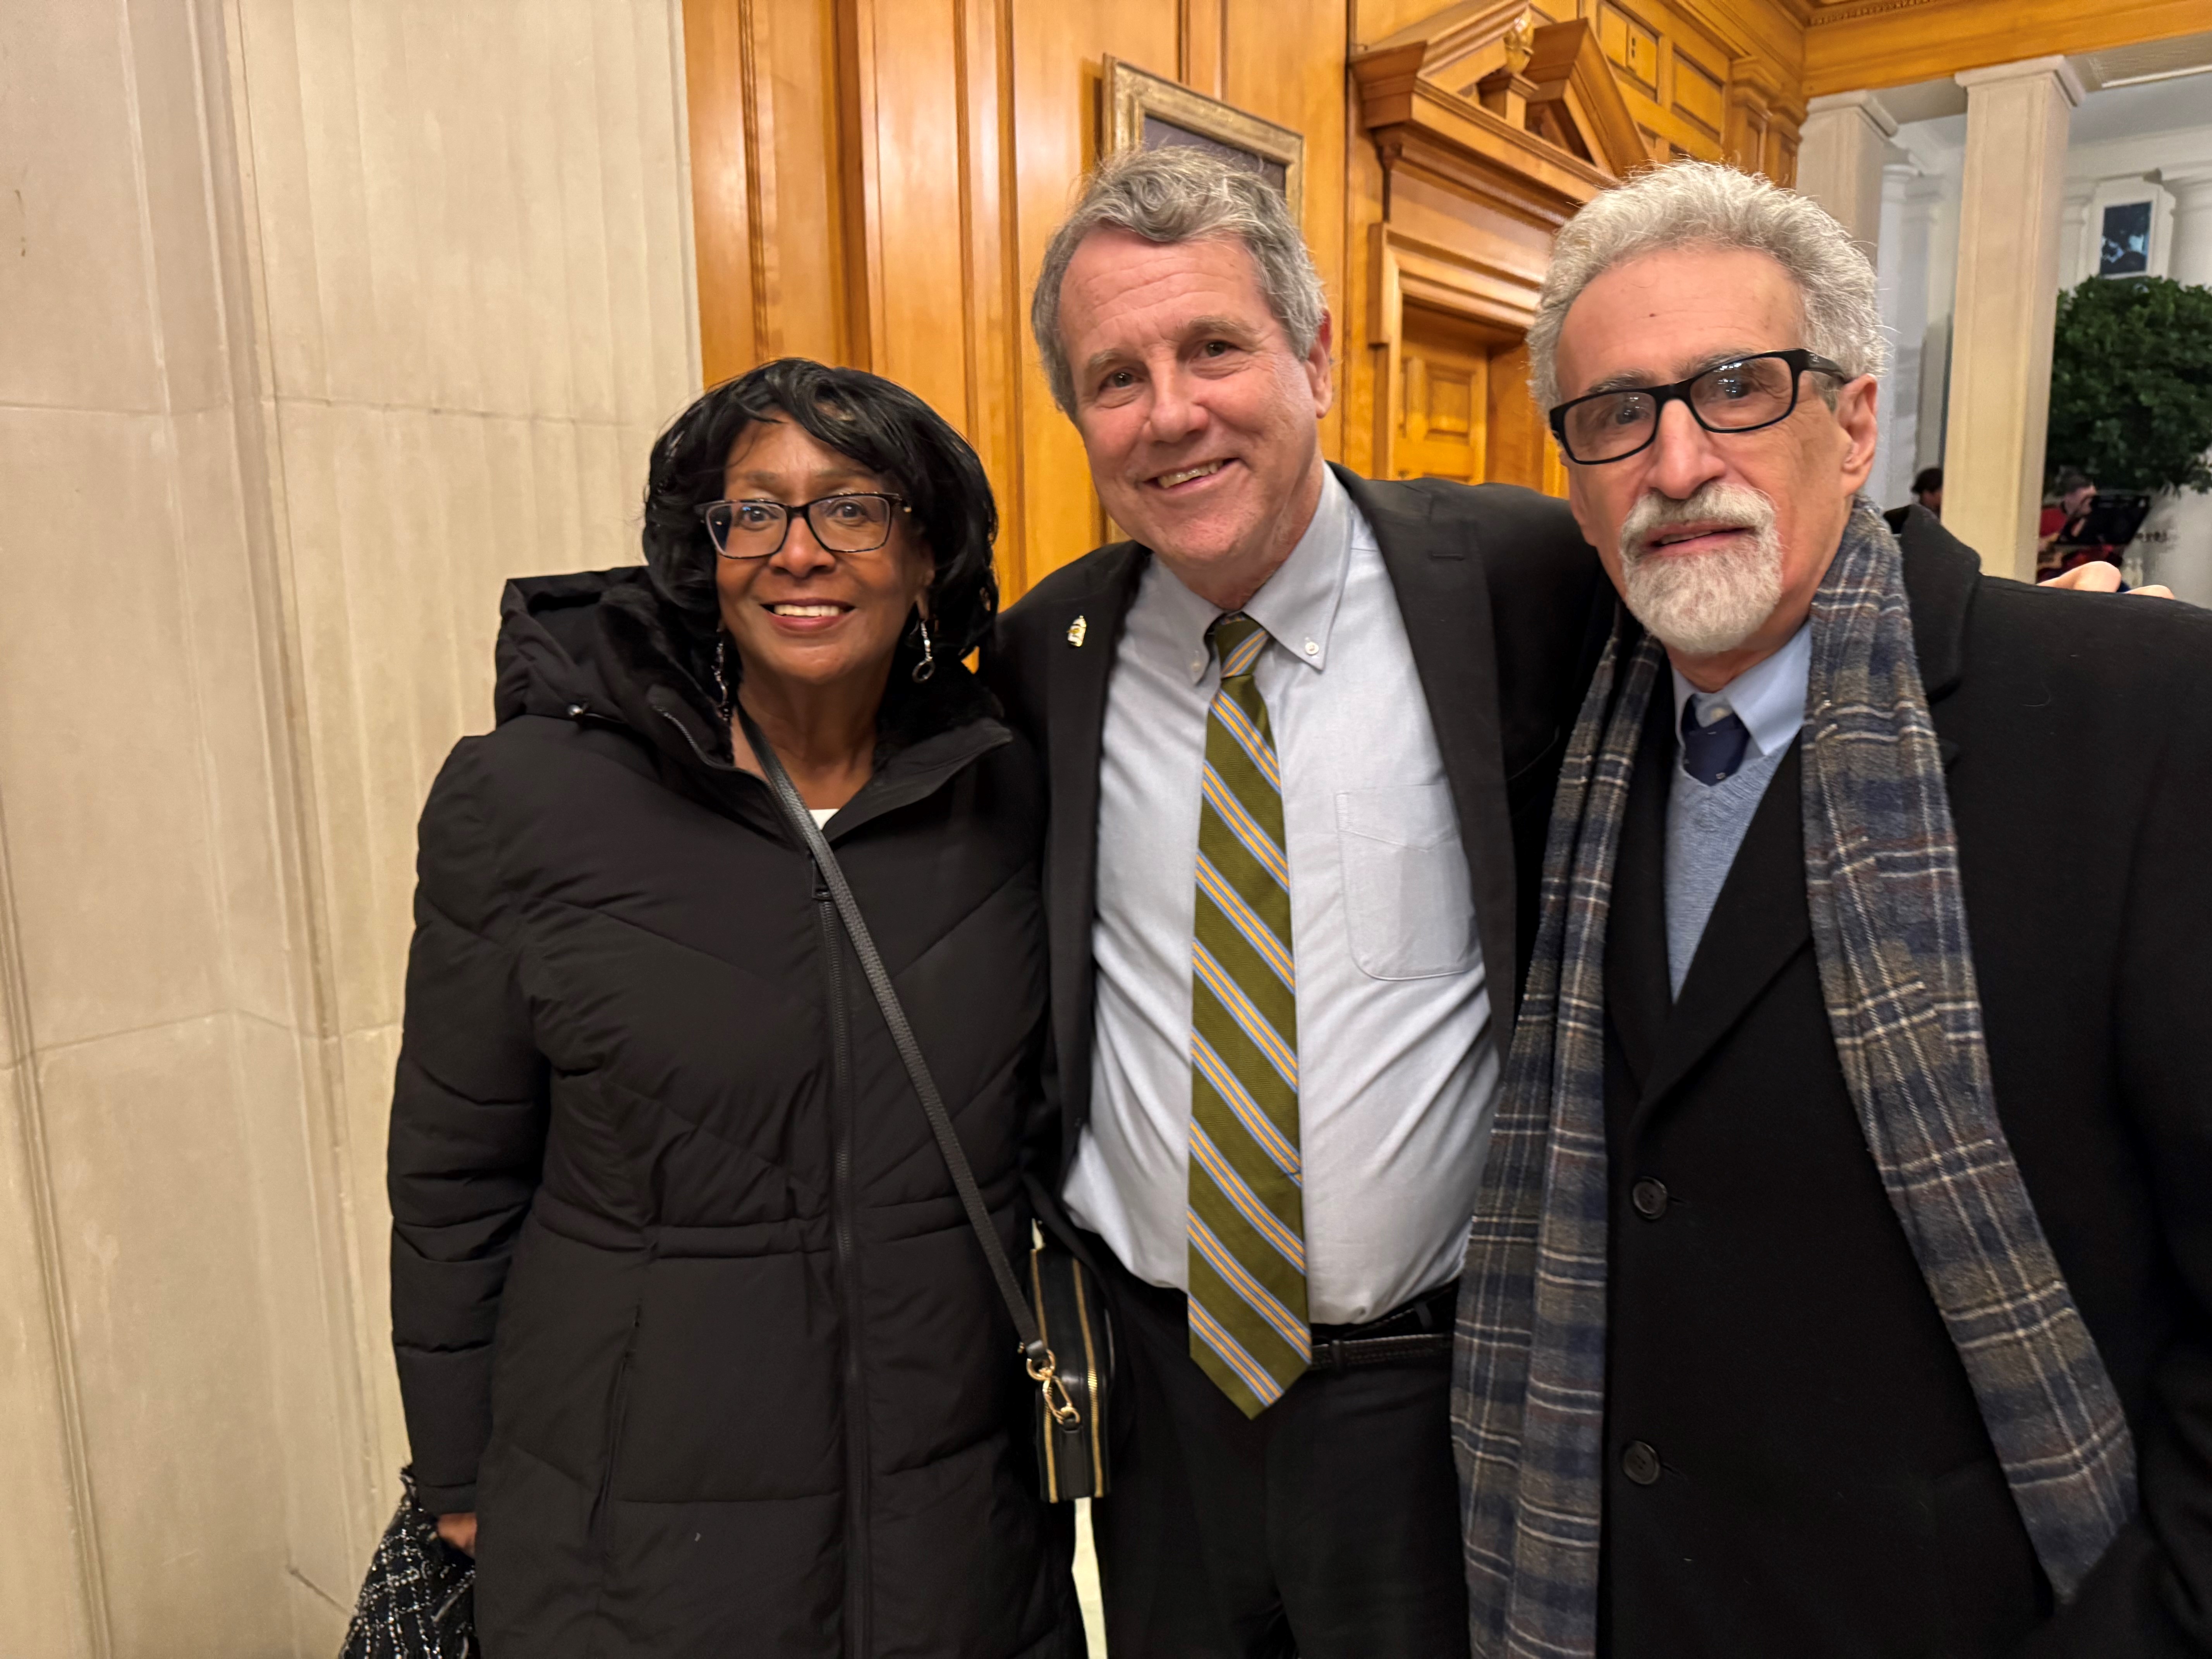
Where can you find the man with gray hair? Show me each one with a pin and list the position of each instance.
(1301, 732)
(1840, 1274)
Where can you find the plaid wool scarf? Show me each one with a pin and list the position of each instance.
(1889, 930)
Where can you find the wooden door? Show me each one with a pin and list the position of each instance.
(1521, 447)
(1463, 407)
(1443, 403)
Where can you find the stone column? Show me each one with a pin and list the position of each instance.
(2174, 545)
(1908, 200)
(2073, 231)
(2008, 300)
(1839, 160)
(2189, 257)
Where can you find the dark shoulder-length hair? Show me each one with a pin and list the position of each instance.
(887, 430)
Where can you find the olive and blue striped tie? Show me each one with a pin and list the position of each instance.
(1249, 1329)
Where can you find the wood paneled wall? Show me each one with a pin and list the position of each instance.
(874, 182)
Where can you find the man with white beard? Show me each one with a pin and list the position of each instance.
(1840, 1276)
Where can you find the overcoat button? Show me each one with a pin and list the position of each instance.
(1640, 1464)
(1650, 1197)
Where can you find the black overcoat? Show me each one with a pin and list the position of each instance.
(685, 1306)
(1823, 1486)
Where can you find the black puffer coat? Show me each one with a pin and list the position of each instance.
(685, 1305)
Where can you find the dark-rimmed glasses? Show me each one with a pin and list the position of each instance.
(856, 522)
(1740, 395)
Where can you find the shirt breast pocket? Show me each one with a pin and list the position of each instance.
(1406, 894)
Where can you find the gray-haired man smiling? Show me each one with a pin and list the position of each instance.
(1301, 732)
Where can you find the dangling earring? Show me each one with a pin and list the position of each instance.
(721, 678)
(927, 665)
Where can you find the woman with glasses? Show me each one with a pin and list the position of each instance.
(698, 1353)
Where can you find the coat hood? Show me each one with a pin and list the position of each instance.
(602, 646)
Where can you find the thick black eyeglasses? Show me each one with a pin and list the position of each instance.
(1739, 396)
(858, 523)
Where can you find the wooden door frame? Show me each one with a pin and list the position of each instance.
(1402, 269)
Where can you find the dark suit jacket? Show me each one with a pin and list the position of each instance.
(1506, 609)
(1826, 1486)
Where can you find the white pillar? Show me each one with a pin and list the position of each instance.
(1900, 282)
(1936, 204)
(2007, 298)
(2076, 257)
(1840, 153)
(2174, 545)
(2189, 257)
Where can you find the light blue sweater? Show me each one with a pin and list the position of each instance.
(1705, 823)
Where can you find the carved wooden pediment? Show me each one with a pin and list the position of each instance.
(1477, 151)
(1530, 117)
(1574, 99)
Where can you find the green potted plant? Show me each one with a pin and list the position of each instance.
(2131, 406)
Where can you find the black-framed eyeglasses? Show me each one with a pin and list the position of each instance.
(1740, 395)
(856, 523)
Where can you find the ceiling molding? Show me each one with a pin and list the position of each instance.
(1872, 43)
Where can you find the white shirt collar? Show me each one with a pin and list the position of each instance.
(1768, 698)
(1298, 604)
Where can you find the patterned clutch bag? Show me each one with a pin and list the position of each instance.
(419, 1598)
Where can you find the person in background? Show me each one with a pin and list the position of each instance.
(698, 1354)
(2062, 532)
(1928, 490)
(1927, 494)
(1841, 1277)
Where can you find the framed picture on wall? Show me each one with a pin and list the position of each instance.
(1144, 112)
(2125, 230)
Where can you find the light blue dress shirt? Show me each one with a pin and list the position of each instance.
(1396, 1067)
(1705, 823)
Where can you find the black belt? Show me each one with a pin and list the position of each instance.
(1422, 1329)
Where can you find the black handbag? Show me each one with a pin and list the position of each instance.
(419, 1598)
(1067, 1339)
(1072, 1318)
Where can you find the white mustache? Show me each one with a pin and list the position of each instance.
(1737, 507)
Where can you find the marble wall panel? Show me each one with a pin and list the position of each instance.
(167, 110)
(485, 195)
(42, 1590)
(280, 203)
(76, 331)
(323, 321)
(151, 1187)
(366, 1061)
(232, 678)
(99, 748)
(301, 1246)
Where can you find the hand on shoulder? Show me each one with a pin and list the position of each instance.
(2099, 577)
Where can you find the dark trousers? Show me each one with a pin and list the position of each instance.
(1326, 1527)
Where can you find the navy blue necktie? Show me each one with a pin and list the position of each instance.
(1710, 753)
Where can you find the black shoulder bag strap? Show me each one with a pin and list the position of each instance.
(1042, 1368)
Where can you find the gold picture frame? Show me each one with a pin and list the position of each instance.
(1145, 112)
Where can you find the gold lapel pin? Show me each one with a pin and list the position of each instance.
(1077, 630)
